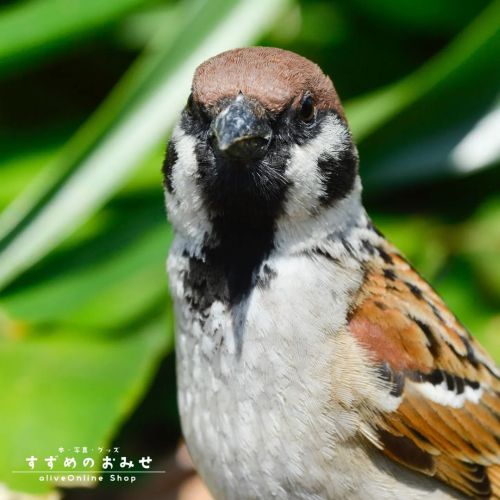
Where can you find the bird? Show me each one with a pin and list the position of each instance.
(313, 361)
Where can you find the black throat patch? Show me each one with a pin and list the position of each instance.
(244, 199)
(229, 271)
(241, 250)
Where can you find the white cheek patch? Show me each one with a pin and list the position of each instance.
(307, 186)
(346, 218)
(185, 205)
(443, 395)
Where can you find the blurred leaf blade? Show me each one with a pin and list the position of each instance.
(116, 108)
(52, 23)
(142, 261)
(116, 151)
(371, 111)
(80, 377)
(460, 149)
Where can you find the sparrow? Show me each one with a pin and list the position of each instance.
(313, 362)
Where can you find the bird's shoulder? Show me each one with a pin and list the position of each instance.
(447, 420)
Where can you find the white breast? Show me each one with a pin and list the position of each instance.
(264, 407)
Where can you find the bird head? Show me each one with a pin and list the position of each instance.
(263, 137)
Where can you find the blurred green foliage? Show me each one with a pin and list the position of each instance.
(89, 91)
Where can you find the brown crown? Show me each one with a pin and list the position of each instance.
(274, 77)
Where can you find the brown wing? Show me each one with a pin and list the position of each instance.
(447, 424)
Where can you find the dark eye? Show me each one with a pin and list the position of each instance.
(306, 110)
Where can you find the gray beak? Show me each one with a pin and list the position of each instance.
(242, 130)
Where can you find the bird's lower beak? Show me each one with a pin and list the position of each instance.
(242, 129)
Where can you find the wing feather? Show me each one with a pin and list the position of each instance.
(447, 424)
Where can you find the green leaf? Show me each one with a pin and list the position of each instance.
(369, 112)
(52, 24)
(52, 388)
(473, 309)
(18, 171)
(407, 234)
(480, 243)
(457, 149)
(130, 124)
(103, 294)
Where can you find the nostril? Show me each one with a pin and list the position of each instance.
(241, 130)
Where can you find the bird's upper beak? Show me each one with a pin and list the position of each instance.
(242, 129)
